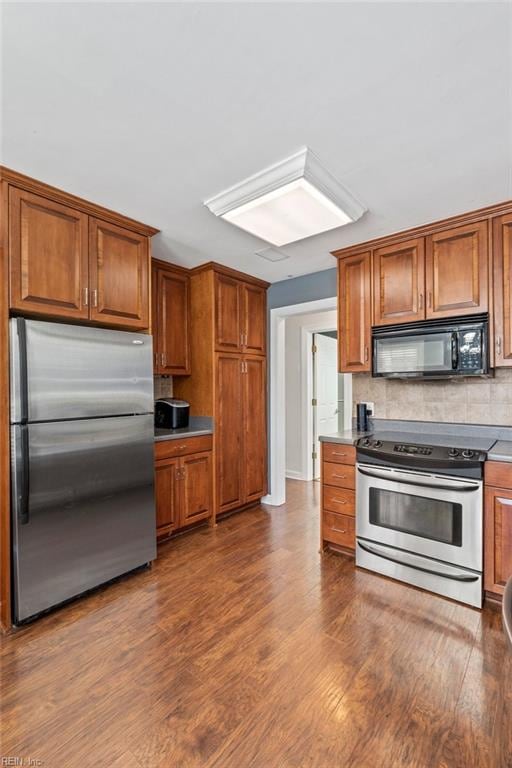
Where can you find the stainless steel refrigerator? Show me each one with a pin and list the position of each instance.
(82, 438)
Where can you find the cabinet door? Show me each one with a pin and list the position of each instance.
(255, 427)
(502, 242)
(48, 256)
(172, 330)
(456, 271)
(167, 498)
(197, 487)
(354, 313)
(254, 319)
(229, 432)
(119, 275)
(399, 283)
(228, 314)
(498, 539)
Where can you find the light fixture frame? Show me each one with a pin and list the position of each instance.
(302, 165)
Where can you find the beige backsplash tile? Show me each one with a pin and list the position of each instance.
(471, 401)
(162, 386)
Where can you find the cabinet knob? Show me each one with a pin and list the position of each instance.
(430, 299)
(94, 297)
(421, 301)
(366, 354)
(86, 297)
(498, 345)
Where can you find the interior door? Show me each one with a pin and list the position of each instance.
(48, 257)
(119, 275)
(173, 297)
(196, 477)
(325, 392)
(354, 313)
(456, 271)
(255, 427)
(502, 236)
(85, 513)
(229, 432)
(228, 314)
(399, 283)
(255, 319)
(167, 497)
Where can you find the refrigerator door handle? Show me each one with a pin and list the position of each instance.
(24, 492)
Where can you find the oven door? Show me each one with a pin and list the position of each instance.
(438, 517)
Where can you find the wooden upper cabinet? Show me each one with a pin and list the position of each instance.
(354, 313)
(119, 275)
(254, 324)
(48, 256)
(502, 246)
(456, 271)
(171, 312)
(398, 283)
(228, 313)
(254, 381)
(498, 539)
(197, 487)
(229, 432)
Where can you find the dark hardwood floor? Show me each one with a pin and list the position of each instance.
(244, 648)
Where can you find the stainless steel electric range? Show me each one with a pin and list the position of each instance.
(419, 514)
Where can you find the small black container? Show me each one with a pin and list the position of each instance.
(362, 417)
(171, 413)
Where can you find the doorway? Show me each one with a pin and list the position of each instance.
(327, 401)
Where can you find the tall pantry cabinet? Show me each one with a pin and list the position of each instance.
(228, 379)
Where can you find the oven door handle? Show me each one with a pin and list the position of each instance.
(447, 574)
(400, 477)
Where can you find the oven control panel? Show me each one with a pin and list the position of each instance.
(413, 450)
(420, 455)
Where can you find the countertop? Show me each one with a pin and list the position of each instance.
(501, 451)
(345, 438)
(198, 425)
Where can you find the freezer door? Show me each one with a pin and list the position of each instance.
(70, 372)
(90, 511)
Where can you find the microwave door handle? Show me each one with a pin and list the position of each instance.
(455, 351)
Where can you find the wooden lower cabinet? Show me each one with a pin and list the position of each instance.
(183, 484)
(338, 505)
(497, 527)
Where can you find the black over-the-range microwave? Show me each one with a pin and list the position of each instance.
(432, 349)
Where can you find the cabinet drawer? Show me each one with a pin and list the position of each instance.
(165, 449)
(339, 500)
(339, 529)
(339, 475)
(341, 454)
(498, 473)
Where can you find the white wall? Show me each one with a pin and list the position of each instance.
(295, 386)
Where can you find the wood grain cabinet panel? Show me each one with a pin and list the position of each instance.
(498, 539)
(456, 271)
(48, 257)
(171, 313)
(354, 313)
(197, 487)
(254, 378)
(229, 432)
(339, 475)
(398, 283)
(228, 313)
(339, 529)
(502, 247)
(167, 500)
(254, 329)
(119, 275)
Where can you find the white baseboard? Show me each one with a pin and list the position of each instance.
(273, 501)
(292, 474)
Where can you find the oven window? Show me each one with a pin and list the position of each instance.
(420, 516)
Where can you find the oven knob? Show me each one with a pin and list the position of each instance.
(453, 452)
(377, 444)
(366, 441)
(467, 454)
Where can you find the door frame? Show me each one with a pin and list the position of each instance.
(277, 390)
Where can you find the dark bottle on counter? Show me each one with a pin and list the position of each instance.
(362, 417)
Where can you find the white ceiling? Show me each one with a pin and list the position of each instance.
(152, 108)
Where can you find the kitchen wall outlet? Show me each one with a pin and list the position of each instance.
(370, 406)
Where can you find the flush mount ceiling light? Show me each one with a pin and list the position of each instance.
(288, 201)
(272, 254)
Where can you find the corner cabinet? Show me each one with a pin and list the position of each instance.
(171, 319)
(228, 379)
(354, 313)
(66, 263)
